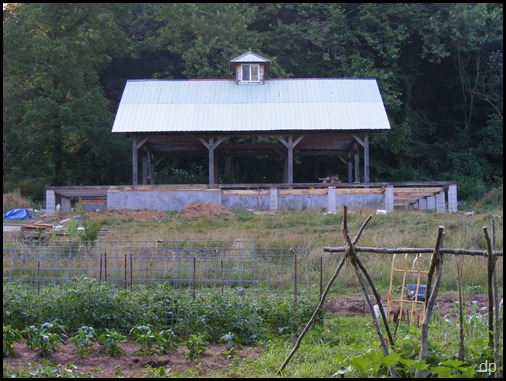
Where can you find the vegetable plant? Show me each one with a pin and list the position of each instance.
(84, 339)
(109, 341)
(10, 336)
(45, 338)
(196, 345)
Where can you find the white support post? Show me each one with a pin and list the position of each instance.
(389, 199)
(331, 200)
(50, 203)
(273, 198)
(452, 198)
(440, 202)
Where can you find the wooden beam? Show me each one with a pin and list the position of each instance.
(134, 161)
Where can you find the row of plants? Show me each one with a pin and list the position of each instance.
(86, 302)
(49, 336)
(338, 347)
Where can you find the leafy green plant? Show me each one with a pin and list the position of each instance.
(233, 344)
(84, 339)
(109, 341)
(48, 370)
(167, 342)
(10, 336)
(45, 338)
(196, 345)
(147, 337)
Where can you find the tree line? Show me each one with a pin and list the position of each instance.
(438, 67)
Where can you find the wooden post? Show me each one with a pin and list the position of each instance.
(134, 160)
(490, 288)
(357, 163)
(321, 276)
(211, 144)
(497, 355)
(366, 158)
(436, 264)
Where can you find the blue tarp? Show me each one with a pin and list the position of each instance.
(17, 214)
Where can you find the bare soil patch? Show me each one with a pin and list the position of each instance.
(131, 363)
(357, 306)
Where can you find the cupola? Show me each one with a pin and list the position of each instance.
(249, 68)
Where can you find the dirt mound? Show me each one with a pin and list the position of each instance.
(199, 209)
(138, 214)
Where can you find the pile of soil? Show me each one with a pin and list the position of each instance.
(138, 214)
(199, 209)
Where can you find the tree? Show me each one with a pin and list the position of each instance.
(56, 116)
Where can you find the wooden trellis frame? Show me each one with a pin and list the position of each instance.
(435, 269)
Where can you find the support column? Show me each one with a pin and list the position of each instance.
(151, 165)
(431, 203)
(389, 199)
(144, 168)
(65, 205)
(440, 202)
(357, 164)
(452, 198)
(50, 203)
(290, 145)
(350, 168)
(366, 158)
(273, 198)
(331, 200)
(134, 161)
(211, 145)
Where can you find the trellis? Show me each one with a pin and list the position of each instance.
(350, 251)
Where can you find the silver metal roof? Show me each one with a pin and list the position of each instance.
(225, 106)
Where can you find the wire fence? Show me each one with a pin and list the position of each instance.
(184, 264)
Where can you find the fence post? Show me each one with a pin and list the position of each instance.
(131, 272)
(321, 276)
(222, 275)
(295, 279)
(126, 272)
(105, 267)
(194, 275)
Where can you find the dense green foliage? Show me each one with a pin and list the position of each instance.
(439, 68)
(84, 302)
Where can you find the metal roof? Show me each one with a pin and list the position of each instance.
(247, 58)
(225, 106)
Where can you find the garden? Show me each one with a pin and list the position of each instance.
(88, 327)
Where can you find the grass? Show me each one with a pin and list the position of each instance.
(315, 230)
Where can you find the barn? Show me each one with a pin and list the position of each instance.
(217, 118)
